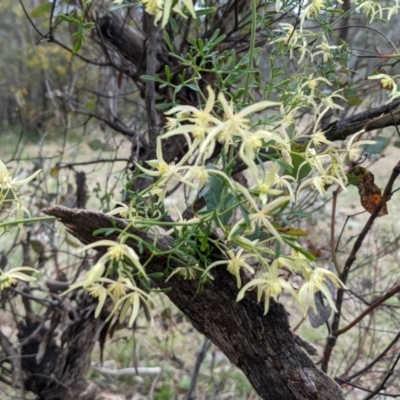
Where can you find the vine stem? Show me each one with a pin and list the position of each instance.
(27, 220)
(252, 46)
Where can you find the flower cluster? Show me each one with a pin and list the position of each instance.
(240, 140)
(123, 292)
(162, 9)
(9, 193)
(255, 243)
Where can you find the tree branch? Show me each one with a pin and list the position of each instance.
(276, 368)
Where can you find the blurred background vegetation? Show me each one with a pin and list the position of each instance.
(75, 117)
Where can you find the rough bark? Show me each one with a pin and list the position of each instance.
(272, 357)
(374, 118)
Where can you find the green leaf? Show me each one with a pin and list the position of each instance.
(78, 44)
(97, 144)
(88, 25)
(105, 231)
(68, 19)
(41, 11)
(378, 147)
(37, 246)
(151, 78)
(168, 41)
(206, 11)
(163, 106)
(213, 191)
(305, 253)
(290, 231)
(300, 168)
(354, 175)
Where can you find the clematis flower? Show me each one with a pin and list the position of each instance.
(234, 125)
(265, 186)
(311, 10)
(353, 149)
(326, 50)
(258, 217)
(7, 182)
(372, 8)
(10, 277)
(202, 119)
(161, 168)
(315, 280)
(388, 83)
(283, 182)
(117, 252)
(234, 262)
(270, 284)
(133, 300)
(99, 292)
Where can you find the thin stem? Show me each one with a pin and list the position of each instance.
(333, 219)
(331, 341)
(374, 305)
(252, 46)
(27, 220)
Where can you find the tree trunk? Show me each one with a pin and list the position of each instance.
(271, 356)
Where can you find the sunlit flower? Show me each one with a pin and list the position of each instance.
(337, 167)
(329, 101)
(201, 121)
(372, 8)
(288, 116)
(197, 173)
(318, 138)
(291, 35)
(294, 263)
(189, 273)
(119, 287)
(94, 274)
(312, 84)
(321, 177)
(154, 7)
(123, 210)
(392, 11)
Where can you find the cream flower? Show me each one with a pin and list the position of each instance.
(315, 280)
(353, 149)
(265, 186)
(234, 262)
(7, 182)
(234, 124)
(311, 10)
(270, 284)
(117, 252)
(10, 277)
